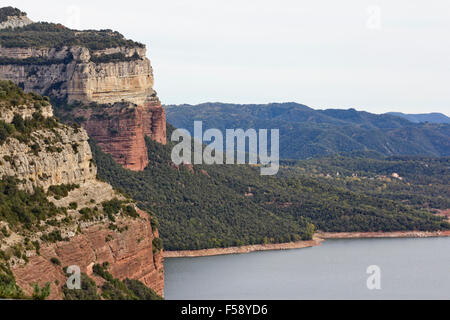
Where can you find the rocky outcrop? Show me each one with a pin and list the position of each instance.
(156, 128)
(129, 254)
(57, 155)
(7, 114)
(70, 74)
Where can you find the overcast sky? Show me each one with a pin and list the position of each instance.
(377, 56)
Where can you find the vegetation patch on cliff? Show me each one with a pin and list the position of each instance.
(115, 289)
(12, 95)
(35, 61)
(114, 57)
(51, 35)
(18, 207)
(307, 133)
(112, 288)
(21, 129)
(6, 12)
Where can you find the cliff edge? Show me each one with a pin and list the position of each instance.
(55, 213)
(13, 18)
(101, 79)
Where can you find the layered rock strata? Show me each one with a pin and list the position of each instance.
(120, 130)
(129, 254)
(70, 74)
(61, 155)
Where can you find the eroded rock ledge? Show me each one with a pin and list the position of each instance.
(120, 130)
(129, 254)
(59, 155)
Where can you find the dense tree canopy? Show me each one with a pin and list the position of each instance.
(220, 205)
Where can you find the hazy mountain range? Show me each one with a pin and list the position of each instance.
(306, 132)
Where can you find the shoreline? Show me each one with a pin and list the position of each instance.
(243, 249)
(316, 241)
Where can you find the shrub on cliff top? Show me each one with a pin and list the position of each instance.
(140, 290)
(41, 293)
(6, 12)
(88, 290)
(114, 57)
(130, 211)
(51, 35)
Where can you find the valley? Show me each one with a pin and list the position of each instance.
(88, 181)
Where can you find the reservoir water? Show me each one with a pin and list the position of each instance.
(409, 269)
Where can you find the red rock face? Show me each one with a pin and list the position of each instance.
(155, 122)
(129, 254)
(120, 131)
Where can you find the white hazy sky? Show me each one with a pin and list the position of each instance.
(379, 55)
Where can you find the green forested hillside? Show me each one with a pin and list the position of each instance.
(306, 133)
(216, 206)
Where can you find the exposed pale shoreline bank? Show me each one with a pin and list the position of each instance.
(317, 240)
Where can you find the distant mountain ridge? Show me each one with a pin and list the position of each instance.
(433, 117)
(306, 132)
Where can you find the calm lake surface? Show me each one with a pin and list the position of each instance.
(410, 269)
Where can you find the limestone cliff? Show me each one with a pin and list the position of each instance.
(76, 73)
(82, 231)
(85, 67)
